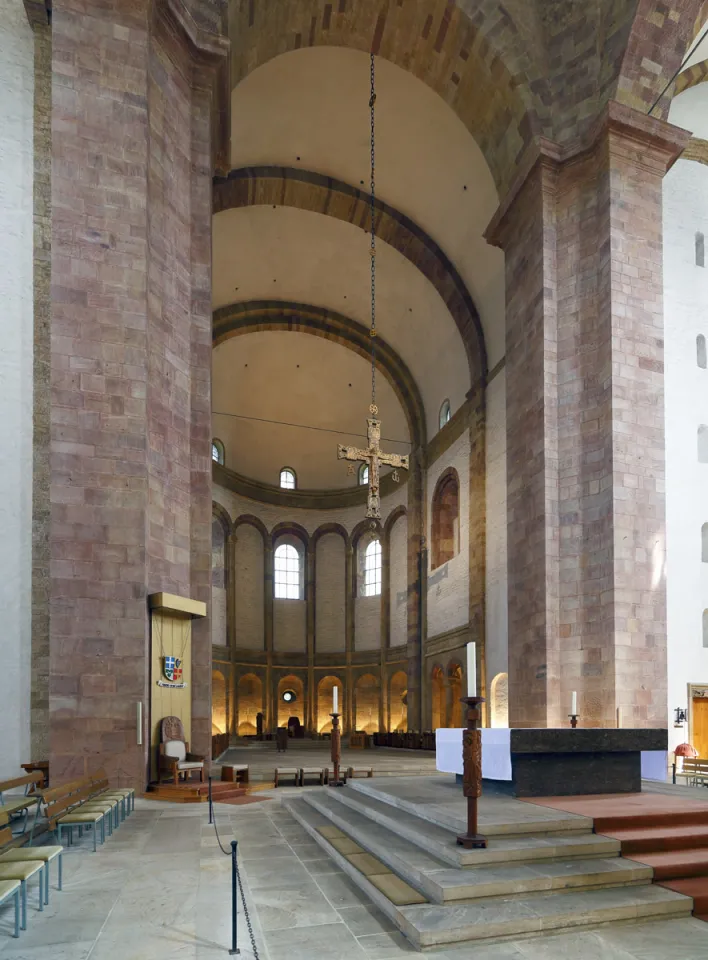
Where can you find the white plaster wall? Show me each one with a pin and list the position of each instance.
(448, 585)
(16, 344)
(496, 592)
(686, 316)
(330, 576)
(398, 583)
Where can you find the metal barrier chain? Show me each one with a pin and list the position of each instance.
(229, 853)
(247, 914)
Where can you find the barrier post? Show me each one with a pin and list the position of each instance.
(234, 898)
(211, 812)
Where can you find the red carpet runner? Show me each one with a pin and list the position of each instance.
(669, 834)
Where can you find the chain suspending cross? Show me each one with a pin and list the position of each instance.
(373, 456)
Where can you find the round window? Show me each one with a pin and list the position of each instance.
(289, 696)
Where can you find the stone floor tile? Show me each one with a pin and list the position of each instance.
(366, 920)
(329, 941)
(320, 867)
(341, 891)
(284, 908)
(386, 946)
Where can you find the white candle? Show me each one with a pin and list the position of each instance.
(619, 717)
(471, 669)
(335, 699)
(574, 703)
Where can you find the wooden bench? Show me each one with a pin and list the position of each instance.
(87, 802)
(319, 772)
(359, 772)
(235, 773)
(288, 772)
(20, 870)
(695, 771)
(13, 805)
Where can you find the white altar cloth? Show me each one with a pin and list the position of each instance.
(496, 755)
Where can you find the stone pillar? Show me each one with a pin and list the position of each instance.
(271, 713)
(416, 624)
(477, 535)
(130, 366)
(310, 600)
(348, 719)
(585, 451)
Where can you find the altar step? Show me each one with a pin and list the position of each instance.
(521, 885)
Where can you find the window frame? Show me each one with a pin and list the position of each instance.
(287, 575)
(372, 568)
(445, 414)
(218, 445)
(363, 469)
(287, 470)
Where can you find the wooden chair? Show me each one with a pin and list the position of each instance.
(174, 759)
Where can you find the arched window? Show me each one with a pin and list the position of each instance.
(286, 570)
(288, 481)
(364, 474)
(217, 451)
(372, 569)
(703, 443)
(445, 526)
(445, 413)
(701, 351)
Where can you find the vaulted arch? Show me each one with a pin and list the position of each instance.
(304, 190)
(479, 66)
(239, 319)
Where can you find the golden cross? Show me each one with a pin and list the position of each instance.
(374, 457)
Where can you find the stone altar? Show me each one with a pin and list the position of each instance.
(536, 762)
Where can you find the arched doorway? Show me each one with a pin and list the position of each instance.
(437, 692)
(219, 712)
(323, 722)
(454, 674)
(291, 700)
(397, 705)
(366, 703)
(499, 696)
(249, 703)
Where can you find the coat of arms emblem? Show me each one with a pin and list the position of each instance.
(172, 668)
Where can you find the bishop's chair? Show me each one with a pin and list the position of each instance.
(174, 758)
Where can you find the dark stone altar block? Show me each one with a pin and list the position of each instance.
(566, 762)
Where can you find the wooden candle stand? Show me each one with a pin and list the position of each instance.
(336, 753)
(472, 772)
(573, 720)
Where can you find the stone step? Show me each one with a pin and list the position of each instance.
(498, 918)
(440, 883)
(429, 925)
(524, 817)
(441, 843)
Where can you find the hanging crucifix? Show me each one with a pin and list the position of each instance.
(373, 456)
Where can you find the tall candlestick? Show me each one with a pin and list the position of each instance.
(335, 700)
(471, 669)
(574, 703)
(619, 717)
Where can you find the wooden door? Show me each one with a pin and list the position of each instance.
(699, 731)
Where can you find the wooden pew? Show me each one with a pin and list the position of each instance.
(695, 771)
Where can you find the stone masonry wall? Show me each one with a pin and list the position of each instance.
(130, 449)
